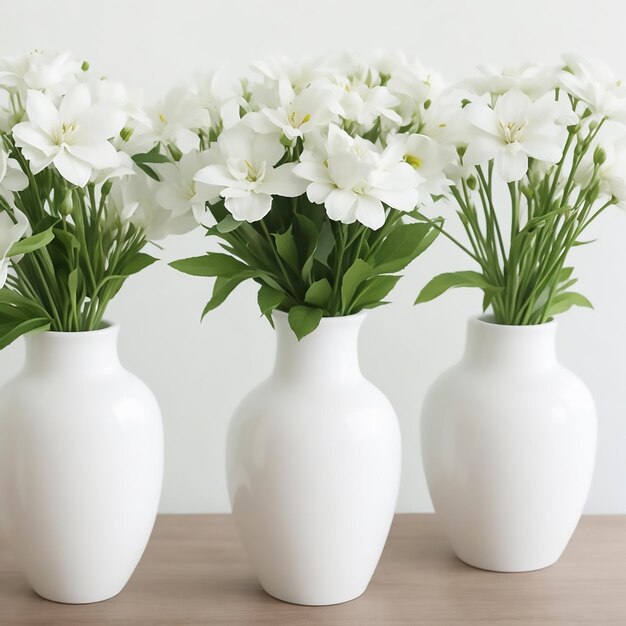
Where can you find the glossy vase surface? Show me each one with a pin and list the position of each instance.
(313, 467)
(508, 443)
(81, 465)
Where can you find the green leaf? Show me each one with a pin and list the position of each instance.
(287, 248)
(136, 263)
(319, 293)
(30, 244)
(373, 292)
(223, 287)
(228, 224)
(307, 237)
(304, 320)
(210, 264)
(25, 306)
(565, 273)
(565, 301)
(356, 274)
(153, 156)
(268, 299)
(19, 315)
(403, 244)
(325, 244)
(10, 332)
(72, 283)
(146, 169)
(451, 280)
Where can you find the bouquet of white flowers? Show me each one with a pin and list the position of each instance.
(306, 173)
(551, 141)
(76, 208)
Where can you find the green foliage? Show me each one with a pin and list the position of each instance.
(63, 276)
(522, 258)
(306, 264)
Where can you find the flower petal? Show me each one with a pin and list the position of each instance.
(370, 212)
(41, 112)
(72, 169)
(511, 164)
(282, 181)
(99, 155)
(74, 103)
(249, 208)
(340, 205)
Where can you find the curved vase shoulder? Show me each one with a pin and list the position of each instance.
(313, 466)
(508, 442)
(81, 464)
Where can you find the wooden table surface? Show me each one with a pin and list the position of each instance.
(195, 572)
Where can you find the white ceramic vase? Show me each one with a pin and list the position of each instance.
(313, 467)
(81, 464)
(508, 443)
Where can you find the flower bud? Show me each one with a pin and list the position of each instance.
(285, 140)
(427, 104)
(175, 152)
(593, 192)
(126, 133)
(593, 125)
(527, 191)
(67, 203)
(106, 188)
(599, 155)
(471, 182)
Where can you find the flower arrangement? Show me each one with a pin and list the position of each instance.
(76, 209)
(308, 175)
(551, 141)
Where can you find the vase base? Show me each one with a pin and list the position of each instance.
(309, 601)
(509, 568)
(78, 598)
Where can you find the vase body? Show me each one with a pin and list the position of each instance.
(508, 443)
(313, 467)
(81, 464)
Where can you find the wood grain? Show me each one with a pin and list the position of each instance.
(195, 572)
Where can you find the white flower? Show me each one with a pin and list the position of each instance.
(415, 88)
(533, 80)
(40, 70)
(429, 159)
(245, 172)
(298, 113)
(73, 137)
(12, 178)
(299, 75)
(222, 98)
(364, 104)
(594, 83)
(10, 232)
(353, 179)
(514, 129)
(132, 199)
(177, 118)
(178, 192)
(611, 173)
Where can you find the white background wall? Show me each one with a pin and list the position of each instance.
(199, 372)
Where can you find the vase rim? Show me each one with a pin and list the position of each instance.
(337, 319)
(106, 328)
(489, 321)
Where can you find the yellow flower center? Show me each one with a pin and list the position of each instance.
(512, 131)
(414, 161)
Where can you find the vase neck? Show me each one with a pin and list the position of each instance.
(513, 347)
(78, 353)
(330, 351)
